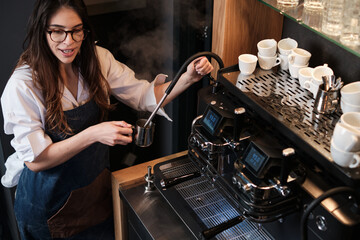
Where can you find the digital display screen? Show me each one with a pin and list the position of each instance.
(211, 120)
(255, 159)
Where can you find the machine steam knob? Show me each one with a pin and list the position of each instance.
(287, 152)
(321, 223)
(234, 180)
(246, 187)
(150, 180)
(204, 147)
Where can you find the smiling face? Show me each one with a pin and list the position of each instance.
(65, 19)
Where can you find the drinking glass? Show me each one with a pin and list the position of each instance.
(314, 4)
(288, 3)
(332, 17)
(350, 30)
(312, 18)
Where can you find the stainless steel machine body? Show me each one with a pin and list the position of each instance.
(258, 162)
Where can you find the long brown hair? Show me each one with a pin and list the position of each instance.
(45, 65)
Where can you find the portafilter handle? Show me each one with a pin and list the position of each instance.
(177, 76)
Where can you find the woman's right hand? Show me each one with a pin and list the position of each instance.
(112, 133)
(108, 133)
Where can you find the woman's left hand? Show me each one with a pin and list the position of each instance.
(198, 68)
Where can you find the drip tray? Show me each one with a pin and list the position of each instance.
(201, 205)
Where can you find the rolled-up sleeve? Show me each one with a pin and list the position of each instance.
(138, 94)
(24, 118)
(23, 112)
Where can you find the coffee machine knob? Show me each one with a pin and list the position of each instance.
(203, 146)
(234, 180)
(246, 187)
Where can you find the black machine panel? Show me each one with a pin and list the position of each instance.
(215, 120)
(256, 169)
(259, 159)
(277, 99)
(244, 147)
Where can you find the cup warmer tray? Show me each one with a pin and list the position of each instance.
(281, 102)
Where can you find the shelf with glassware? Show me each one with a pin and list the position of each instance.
(316, 19)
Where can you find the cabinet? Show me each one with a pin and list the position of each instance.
(239, 25)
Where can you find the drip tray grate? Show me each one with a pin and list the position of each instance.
(210, 206)
(213, 209)
(283, 96)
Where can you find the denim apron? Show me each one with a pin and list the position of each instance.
(72, 200)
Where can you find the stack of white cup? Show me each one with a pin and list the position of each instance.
(350, 97)
(345, 141)
(267, 55)
(298, 58)
(311, 78)
(285, 46)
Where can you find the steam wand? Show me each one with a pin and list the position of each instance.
(174, 81)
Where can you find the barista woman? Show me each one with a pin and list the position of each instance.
(55, 104)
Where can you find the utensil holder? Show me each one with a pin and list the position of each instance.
(326, 102)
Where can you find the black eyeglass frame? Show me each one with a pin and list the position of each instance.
(85, 31)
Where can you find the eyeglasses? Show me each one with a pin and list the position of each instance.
(59, 36)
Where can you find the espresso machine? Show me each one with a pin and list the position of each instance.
(258, 165)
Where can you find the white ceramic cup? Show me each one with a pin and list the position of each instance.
(320, 71)
(285, 46)
(348, 107)
(314, 86)
(305, 75)
(299, 56)
(294, 69)
(267, 63)
(267, 47)
(247, 63)
(307, 82)
(351, 93)
(352, 119)
(344, 158)
(284, 62)
(346, 138)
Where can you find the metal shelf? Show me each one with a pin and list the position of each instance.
(280, 100)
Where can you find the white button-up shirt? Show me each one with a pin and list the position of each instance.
(24, 109)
